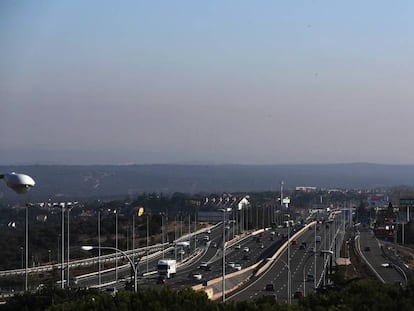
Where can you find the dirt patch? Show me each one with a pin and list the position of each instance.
(407, 256)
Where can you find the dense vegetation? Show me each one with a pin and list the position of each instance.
(357, 295)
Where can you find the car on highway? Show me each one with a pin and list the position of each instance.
(270, 287)
(245, 257)
(204, 266)
(197, 276)
(298, 294)
(231, 264)
(246, 249)
(386, 265)
(367, 249)
(310, 277)
(237, 267)
(311, 250)
(238, 246)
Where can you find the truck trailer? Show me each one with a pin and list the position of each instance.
(167, 268)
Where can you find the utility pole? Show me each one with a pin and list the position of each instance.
(62, 285)
(99, 251)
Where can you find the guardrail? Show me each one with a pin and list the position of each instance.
(357, 246)
(190, 235)
(82, 262)
(282, 249)
(92, 274)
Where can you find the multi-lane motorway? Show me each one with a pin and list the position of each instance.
(374, 253)
(311, 254)
(289, 276)
(275, 282)
(243, 251)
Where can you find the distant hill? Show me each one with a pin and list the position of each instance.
(75, 182)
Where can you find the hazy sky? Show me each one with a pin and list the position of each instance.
(258, 82)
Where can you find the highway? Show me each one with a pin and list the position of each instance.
(371, 251)
(235, 253)
(311, 254)
(302, 266)
(192, 257)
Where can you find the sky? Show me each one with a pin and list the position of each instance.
(216, 82)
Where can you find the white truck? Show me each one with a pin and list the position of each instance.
(182, 244)
(167, 268)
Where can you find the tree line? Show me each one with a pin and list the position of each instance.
(360, 294)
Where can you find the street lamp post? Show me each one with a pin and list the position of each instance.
(99, 248)
(133, 232)
(289, 289)
(304, 279)
(314, 254)
(116, 245)
(195, 228)
(68, 242)
(131, 262)
(162, 231)
(62, 285)
(223, 281)
(148, 215)
(27, 249)
(289, 298)
(288, 265)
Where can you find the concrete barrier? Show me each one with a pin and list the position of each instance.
(282, 249)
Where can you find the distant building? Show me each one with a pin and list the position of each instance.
(212, 206)
(243, 203)
(306, 189)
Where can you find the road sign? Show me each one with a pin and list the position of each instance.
(407, 201)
